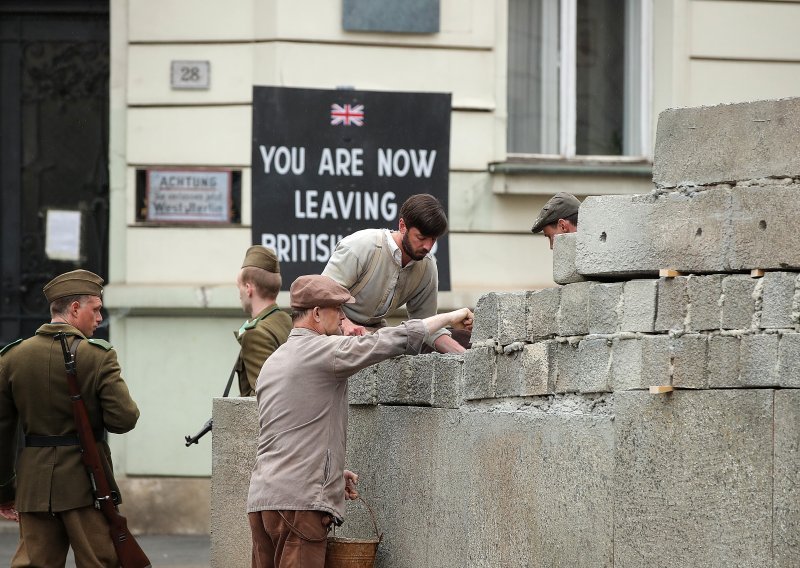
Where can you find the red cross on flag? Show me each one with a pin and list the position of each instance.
(347, 115)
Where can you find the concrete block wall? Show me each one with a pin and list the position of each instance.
(542, 444)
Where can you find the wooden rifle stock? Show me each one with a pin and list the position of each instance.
(129, 552)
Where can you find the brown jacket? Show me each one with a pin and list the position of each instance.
(33, 391)
(259, 338)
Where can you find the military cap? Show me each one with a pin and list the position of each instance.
(317, 290)
(74, 283)
(561, 206)
(262, 257)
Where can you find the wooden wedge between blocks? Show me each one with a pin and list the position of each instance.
(669, 273)
(756, 273)
(661, 389)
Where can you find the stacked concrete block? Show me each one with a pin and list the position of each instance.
(448, 385)
(672, 304)
(529, 371)
(693, 479)
(564, 269)
(689, 361)
(704, 295)
(486, 325)
(738, 301)
(789, 360)
(501, 317)
(362, 387)
(480, 364)
(541, 313)
(722, 369)
(778, 293)
(405, 380)
(573, 312)
(758, 361)
(704, 145)
(605, 307)
(584, 367)
(639, 309)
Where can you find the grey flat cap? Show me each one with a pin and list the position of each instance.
(560, 206)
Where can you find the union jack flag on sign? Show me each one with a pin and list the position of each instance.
(347, 115)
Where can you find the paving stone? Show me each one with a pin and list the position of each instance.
(542, 311)
(479, 373)
(758, 361)
(604, 307)
(639, 312)
(723, 362)
(573, 313)
(705, 310)
(693, 479)
(564, 271)
(712, 144)
(738, 303)
(777, 299)
(789, 360)
(672, 303)
(786, 524)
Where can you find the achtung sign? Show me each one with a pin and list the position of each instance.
(189, 196)
(327, 163)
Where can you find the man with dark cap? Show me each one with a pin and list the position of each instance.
(47, 489)
(259, 282)
(559, 215)
(299, 485)
(385, 270)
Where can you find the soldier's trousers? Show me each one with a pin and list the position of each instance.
(45, 539)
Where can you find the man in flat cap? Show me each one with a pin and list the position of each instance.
(299, 485)
(47, 489)
(558, 216)
(259, 282)
(385, 270)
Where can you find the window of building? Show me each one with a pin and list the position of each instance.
(579, 77)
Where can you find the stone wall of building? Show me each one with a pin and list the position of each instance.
(544, 444)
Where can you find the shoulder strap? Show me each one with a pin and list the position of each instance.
(373, 264)
(74, 348)
(9, 346)
(233, 372)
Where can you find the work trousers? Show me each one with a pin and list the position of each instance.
(45, 539)
(289, 539)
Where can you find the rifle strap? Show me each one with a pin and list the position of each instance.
(233, 373)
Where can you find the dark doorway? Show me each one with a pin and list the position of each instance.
(54, 68)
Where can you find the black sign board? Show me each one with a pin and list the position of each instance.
(327, 163)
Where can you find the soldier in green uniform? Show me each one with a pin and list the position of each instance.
(259, 282)
(47, 488)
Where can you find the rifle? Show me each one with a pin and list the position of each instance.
(128, 550)
(210, 422)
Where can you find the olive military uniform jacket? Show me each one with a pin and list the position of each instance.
(33, 391)
(259, 338)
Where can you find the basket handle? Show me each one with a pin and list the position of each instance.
(372, 516)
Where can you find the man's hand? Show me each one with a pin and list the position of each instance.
(349, 328)
(7, 511)
(350, 481)
(466, 323)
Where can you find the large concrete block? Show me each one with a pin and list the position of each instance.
(448, 388)
(479, 373)
(706, 145)
(639, 311)
(605, 307)
(693, 479)
(689, 361)
(621, 235)
(758, 361)
(573, 313)
(777, 300)
(673, 302)
(564, 271)
(786, 523)
(705, 310)
(723, 362)
(529, 371)
(626, 365)
(407, 379)
(789, 360)
(763, 233)
(501, 316)
(738, 301)
(542, 310)
(426, 472)
(234, 445)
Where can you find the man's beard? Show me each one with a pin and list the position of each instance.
(406, 242)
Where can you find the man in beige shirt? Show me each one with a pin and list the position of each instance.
(299, 485)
